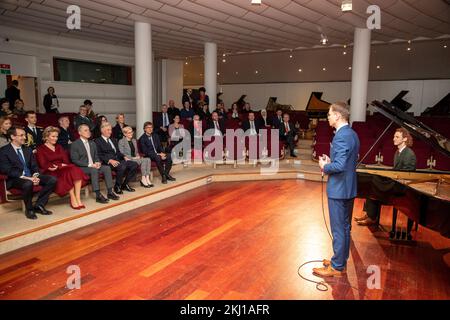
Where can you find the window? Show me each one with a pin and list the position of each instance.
(90, 72)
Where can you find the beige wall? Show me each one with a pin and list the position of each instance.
(426, 60)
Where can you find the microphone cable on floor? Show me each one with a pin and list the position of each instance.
(320, 285)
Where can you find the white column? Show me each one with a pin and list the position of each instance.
(211, 73)
(360, 74)
(144, 77)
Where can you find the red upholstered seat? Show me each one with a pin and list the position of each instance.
(442, 161)
(320, 149)
(388, 152)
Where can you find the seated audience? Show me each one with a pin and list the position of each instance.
(404, 160)
(96, 133)
(83, 153)
(234, 114)
(247, 108)
(221, 111)
(65, 136)
(288, 134)
(151, 147)
(277, 119)
(216, 124)
(90, 111)
(176, 132)
(5, 124)
(53, 160)
(187, 112)
(120, 124)
(5, 110)
(172, 109)
(51, 102)
(203, 112)
(264, 121)
(129, 148)
(196, 130)
(82, 118)
(17, 161)
(109, 154)
(162, 122)
(19, 108)
(33, 133)
(251, 124)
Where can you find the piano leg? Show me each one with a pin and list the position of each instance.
(408, 229)
(392, 234)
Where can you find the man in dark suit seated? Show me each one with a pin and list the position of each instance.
(19, 164)
(65, 137)
(221, 111)
(216, 124)
(251, 124)
(109, 154)
(277, 119)
(404, 160)
(162, 123)
(172, 109)
(82, 118)
(33, 133)
(151, 148)
(288, 134)
(83, 153)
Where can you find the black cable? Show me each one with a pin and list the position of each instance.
(320, 285)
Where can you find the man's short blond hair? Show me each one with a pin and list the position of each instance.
(105, 124)
(341, 108)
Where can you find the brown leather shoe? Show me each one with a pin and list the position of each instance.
(327, 263)
(363, 217)
(327, 272)
(366, 222)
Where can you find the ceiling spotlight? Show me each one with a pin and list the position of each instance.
(346, 5)
(290, 56)
(344, 53)
(224, 60)
(324, 69)
(218, 73)
(237, 72)
(445, 46)
(256, 2)
(378, 67)
(345, 46)
(349, 68)
(299, 70)
(408, 49)
(256, 71)
(223, 55)
(323, 39)
(186, 63)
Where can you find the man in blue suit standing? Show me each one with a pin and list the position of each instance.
(341, 188)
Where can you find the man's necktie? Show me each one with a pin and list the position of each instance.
(153, 145)
(111, 144)
(26, 170)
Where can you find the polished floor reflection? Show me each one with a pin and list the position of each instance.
(230, 240)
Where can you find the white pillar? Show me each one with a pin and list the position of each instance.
(360, 74)
(144, 77)
(211, 73)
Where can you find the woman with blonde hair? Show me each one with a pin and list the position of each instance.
(5, 124)
(129, 148)
(53, 160)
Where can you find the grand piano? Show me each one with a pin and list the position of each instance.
(316, 107)
(423, 195)
(442, 108)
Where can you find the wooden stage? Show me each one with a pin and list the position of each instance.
(225, 240)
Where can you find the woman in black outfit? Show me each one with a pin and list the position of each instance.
(51, 102)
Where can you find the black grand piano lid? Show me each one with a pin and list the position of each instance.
(415, 127)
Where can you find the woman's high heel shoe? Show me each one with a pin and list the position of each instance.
(144, 185)
(82, 206)
(75, 208)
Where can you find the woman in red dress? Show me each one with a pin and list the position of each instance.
(54, 160)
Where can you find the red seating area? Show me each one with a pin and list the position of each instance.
(384, 151)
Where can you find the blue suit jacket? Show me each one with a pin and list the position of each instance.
(342, 169)
(146, 145)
